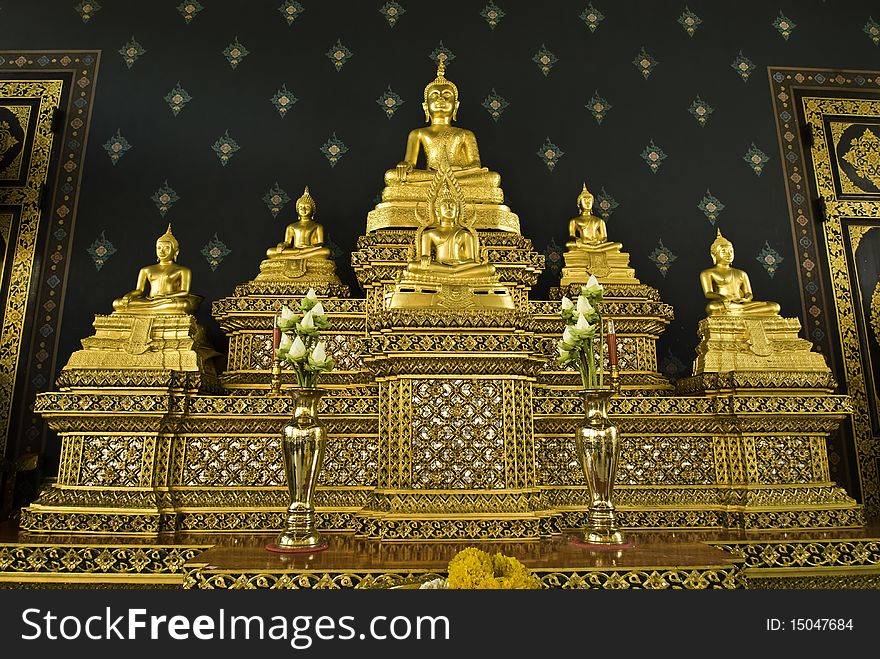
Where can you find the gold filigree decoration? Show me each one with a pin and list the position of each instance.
(25, 242)
(22, 115)
(7, 141)
(875, 312)
(815, 110)
(864, 156)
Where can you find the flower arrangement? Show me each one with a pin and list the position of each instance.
(473, 568)
(297, 341)
(579, 346)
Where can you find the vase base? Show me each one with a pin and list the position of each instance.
(602, 538)
(279, 549)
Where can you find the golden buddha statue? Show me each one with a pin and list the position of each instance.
(151, 331)
(447, 249)
(588, 230)
(444, 146)
(729, 289)
(447, 269)
(162, 288)
(590, 253)
(301, 261)
(303, 238)
(743, 335)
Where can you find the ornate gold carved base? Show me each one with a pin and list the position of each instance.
(294, 277)
(411, 294)
(657, 560)
(143, 351)
(741, 343)
(402, 214)
(610, 266)
(749, 508)
(456, 515)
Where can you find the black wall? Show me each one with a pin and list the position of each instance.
(227, 200)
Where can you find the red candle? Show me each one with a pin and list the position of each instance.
(612, 344)
(276, 335)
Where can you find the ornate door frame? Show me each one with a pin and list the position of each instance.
(821, 115)
(40, 207)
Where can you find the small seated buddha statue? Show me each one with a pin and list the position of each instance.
(301, 261)
(152, 330)
(447, 249)
(589, 252)
(587, 230)
(444, 146)
(728, 289)
(447, 269)
(742, 335)
(162, 288)
(303, 238)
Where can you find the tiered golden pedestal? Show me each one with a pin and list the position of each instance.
(444, 424)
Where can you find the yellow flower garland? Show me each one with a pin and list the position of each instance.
(474, 569)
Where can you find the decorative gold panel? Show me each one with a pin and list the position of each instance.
(458, 434)
(845, 149)
(26, 195)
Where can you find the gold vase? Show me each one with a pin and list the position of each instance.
(598, 448)
(303, 441)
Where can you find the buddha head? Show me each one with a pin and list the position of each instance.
(447, 208)
(585, 201)
(305, 206)
(167, 247)
(441, 96)
(721, 250)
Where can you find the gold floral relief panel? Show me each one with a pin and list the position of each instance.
(15, 122)
(856, 156)
(846, 161)
(27, 110)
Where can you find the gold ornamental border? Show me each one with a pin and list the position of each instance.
(37, 352)
(835, 226)
(823, 92)
(27, 197)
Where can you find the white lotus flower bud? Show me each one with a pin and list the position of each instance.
(585, 309)
(582, 324)
(566, 303)
(297, 349)
(568, 336)
(318, 309)
(311, 295)
(307, 322)
(319, 353)
(593, 288)
(287, 314)
(286, 342)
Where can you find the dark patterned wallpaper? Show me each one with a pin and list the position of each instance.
(213, 115)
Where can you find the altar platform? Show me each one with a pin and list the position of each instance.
(663, 559)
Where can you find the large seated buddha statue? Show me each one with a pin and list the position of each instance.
(302, 257)
(444, 146)
(151, 332)
(448, 270)
(589, 252)
(741, 334)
